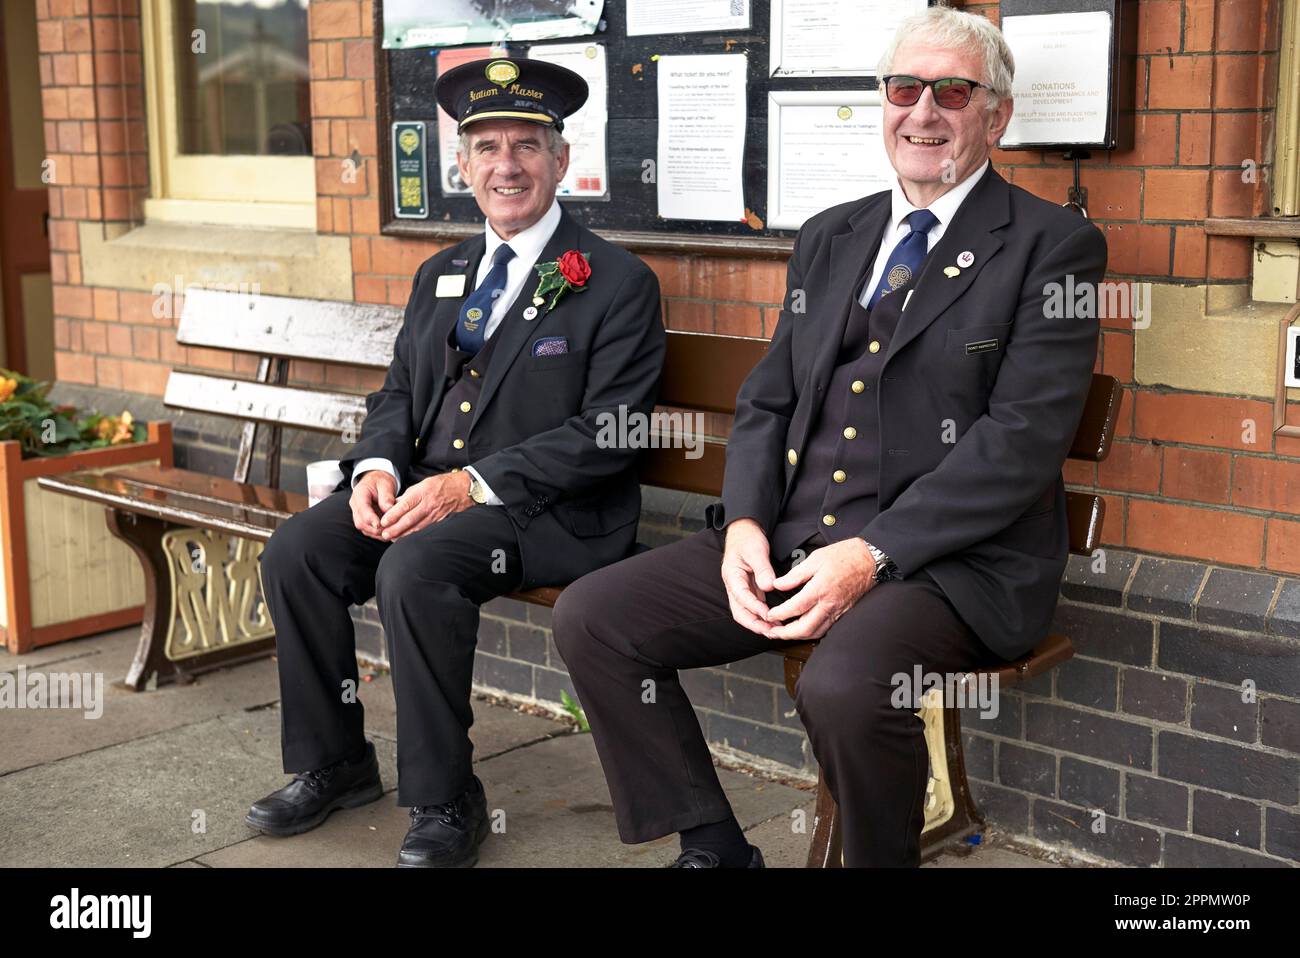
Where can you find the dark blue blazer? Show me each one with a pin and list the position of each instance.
(985, 515)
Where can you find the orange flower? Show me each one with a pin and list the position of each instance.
(124, 432)
(7, 387)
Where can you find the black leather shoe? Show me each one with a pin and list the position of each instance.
(448, 835)
(307, 801)
(699, 858)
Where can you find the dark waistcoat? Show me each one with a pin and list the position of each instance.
(835, 483)
(465, 375)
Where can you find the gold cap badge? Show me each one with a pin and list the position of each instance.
(502, 73)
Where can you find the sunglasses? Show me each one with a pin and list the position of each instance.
(951, 93)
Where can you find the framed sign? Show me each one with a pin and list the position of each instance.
(1075, 73)
(410, 170)
(640, 171)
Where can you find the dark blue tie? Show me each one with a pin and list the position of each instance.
(476, 309)
(906, 259)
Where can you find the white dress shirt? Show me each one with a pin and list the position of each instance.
(944, 209)
(527, 245)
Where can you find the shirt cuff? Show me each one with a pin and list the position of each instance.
(492, 498)
(365, 465)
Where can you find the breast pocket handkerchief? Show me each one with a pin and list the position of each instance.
(551, 346)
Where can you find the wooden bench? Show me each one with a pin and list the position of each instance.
(196, 534)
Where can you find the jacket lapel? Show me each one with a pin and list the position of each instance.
(446, 312)
(514, 330)
(988, 208)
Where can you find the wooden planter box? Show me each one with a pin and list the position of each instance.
(63, 575)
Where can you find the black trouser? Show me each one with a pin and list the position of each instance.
(429, 585)
(645, 617)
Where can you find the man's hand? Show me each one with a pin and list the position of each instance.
(371, 498)
(428, 501)
(747, 574)
(833, 577)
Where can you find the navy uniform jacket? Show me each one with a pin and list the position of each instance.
(533, 436)
(984, 515)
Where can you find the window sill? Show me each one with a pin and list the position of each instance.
(296, 216)
(1261, 227)
(277, 262)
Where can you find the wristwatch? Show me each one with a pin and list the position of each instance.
(886, 571)
(476, 490)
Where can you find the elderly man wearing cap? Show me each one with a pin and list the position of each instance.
(478, 471)
(893, 479)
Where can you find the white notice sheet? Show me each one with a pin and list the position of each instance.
(1062, 77)
(584, 130)
(645, 17)
(823, 148)
(701, 137)
(833, 38)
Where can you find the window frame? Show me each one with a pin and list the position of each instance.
(236, 190)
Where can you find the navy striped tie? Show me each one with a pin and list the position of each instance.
(476, 309)
(906, 259)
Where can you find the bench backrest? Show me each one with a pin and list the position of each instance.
(702, 374)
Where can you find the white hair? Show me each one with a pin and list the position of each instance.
(554, 141)
(956, 29)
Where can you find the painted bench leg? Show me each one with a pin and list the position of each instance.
(217, 624)
(144, 535)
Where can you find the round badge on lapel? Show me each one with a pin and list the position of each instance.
(530, 313)
(965, 259)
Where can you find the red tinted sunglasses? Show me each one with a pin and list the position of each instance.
(951, 93)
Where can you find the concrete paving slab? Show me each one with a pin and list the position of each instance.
(134, 804)
(558, 811)
(781, 844)
(552, 802)
(31, 737)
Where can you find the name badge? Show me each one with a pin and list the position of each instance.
(983, 346)
(450, 284)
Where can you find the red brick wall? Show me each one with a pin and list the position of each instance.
(1180, 479)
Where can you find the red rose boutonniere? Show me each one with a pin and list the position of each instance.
(570, 272)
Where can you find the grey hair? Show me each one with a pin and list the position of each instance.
(956, 29)
(554, 141)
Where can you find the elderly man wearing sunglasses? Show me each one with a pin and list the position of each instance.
(893, 480)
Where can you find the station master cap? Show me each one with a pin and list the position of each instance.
(507, 88)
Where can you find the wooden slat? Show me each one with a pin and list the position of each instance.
(670, 469)
(359, 334)
(1048, 654)
(185, 497)
(704, 372)
(1085, 513)
(1100, 414)
(264, 402)
(1273, 227)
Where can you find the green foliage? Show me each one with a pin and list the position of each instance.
(27, 415)
(573, 708)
